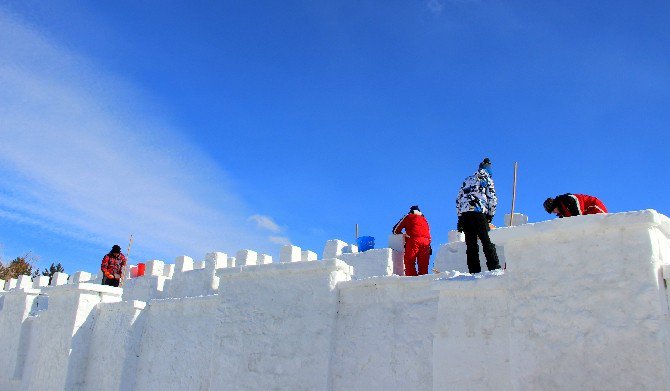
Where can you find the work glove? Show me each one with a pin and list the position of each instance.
(109, 275)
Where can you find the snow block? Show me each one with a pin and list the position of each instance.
(264, 259)
(333, 248)
(24, 282)
(246, 257)
(519, 219)
(183, 263)
(81, 277)
(154, 268)
(455, 236)
(59, 279)
(2, 285)
(397, 242)
(290, 253)
(199, 265)
(217, 260)
(232, 261)
(40, 281)
(11, 284)
(350, 249)
(168, 270)
(308, 256)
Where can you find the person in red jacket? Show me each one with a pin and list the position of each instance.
(417, 241)
(568, 205)
(112, 266)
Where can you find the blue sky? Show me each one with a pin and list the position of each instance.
(203, 126)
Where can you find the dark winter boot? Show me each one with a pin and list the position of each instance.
(492, 262)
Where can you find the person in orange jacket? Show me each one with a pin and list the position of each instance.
(112, 266)
(417, 241)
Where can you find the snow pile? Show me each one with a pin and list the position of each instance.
(582, 305)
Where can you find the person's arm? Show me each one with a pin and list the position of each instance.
(492, 199)
(398, 227)
(105, 267)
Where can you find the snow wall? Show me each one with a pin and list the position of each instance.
(583, 304)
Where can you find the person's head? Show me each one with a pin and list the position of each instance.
(549, 205)
(116, 249)
(414, 209)
(486, 166)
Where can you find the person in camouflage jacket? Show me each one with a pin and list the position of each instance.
(476, 205)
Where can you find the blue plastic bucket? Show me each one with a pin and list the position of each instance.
(365, 243)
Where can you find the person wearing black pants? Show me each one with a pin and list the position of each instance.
(476, 206)
(475, 225)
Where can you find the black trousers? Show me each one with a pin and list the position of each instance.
(110, 281)
(475, 225)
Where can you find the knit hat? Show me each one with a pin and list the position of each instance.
(549, 205)
(116, 249)
(414, 208)
(486, 163)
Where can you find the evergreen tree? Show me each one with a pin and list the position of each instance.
(53, 269)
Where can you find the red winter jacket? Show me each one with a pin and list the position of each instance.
(112, 265)
(578, 204)
(415, 225)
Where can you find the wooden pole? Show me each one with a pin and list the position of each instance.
(123, 272)
(356, 232)
(511, 216)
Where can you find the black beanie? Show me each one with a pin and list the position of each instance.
(549, 205)
(414, 207)
(485, 163)
(116, 248)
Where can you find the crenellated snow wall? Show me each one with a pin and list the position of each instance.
(582, 304)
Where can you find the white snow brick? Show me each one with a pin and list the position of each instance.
(519, 219)
(24, 282)
(246, 257)
(168, 270)
(183, 263)
(232, 261)
(2, 285)
(11, 284)
(397, 242)
(308, 255)
(40, 281)
(350, 249)
(154, 268)
(217, 260)
(290, 253)
(666, 272)
(59, 279)
(333, 248)
(455, 236)
(264, 259)
(199, 265)
(81, 277)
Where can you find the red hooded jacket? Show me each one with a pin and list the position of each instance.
(415, 225)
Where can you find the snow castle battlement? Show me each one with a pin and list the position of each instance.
(583, 304)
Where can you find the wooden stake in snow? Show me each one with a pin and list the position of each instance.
(123, 272)
(511, 216)
(357, 233)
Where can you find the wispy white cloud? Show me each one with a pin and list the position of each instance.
(80, 156)
(281, 240)
(265, 222)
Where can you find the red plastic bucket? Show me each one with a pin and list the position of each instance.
(140, 269)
